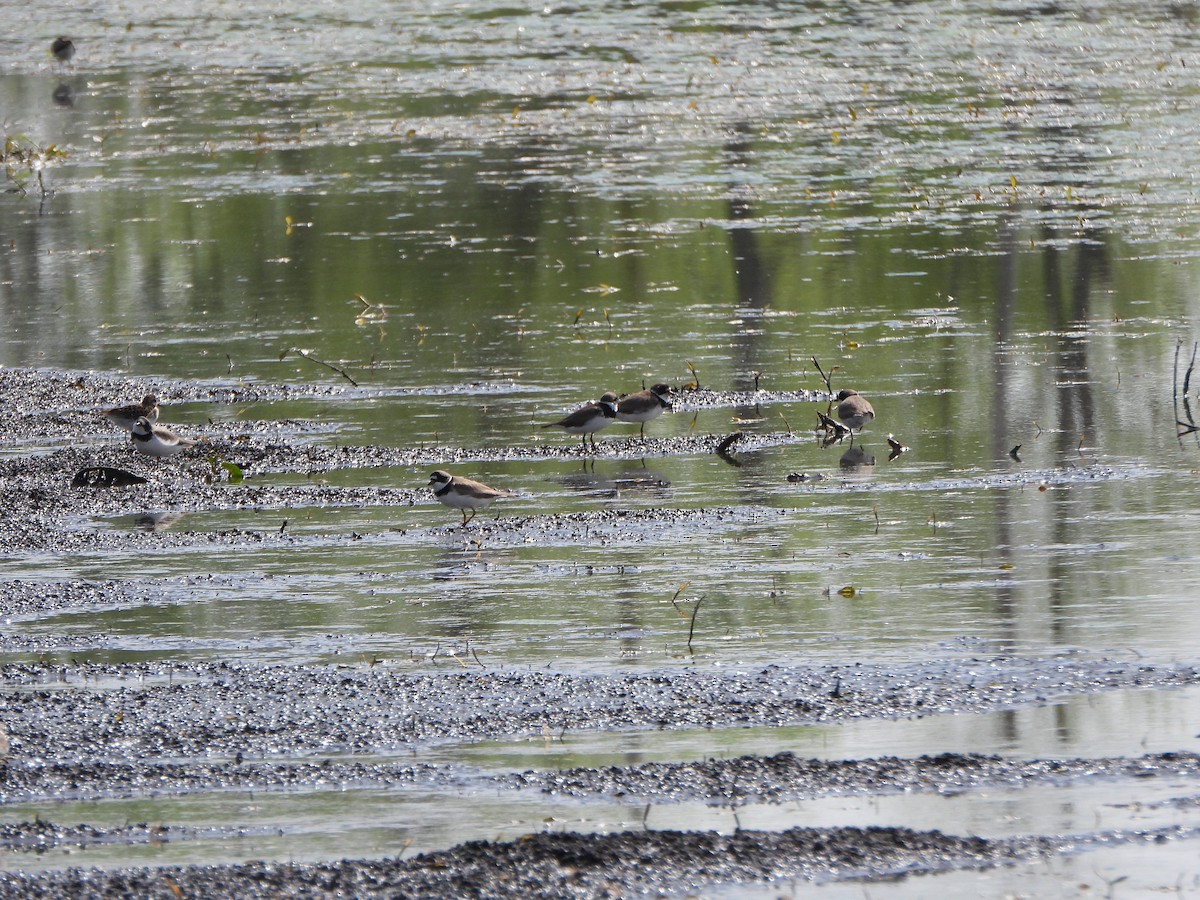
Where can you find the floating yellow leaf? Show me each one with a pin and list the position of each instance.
(848, 591)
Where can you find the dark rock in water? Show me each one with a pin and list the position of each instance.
(104, 476)
(724, 446)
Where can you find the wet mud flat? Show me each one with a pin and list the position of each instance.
(70, 739)
(650, 863)
(93, 731)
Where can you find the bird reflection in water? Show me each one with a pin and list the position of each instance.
(462, 562)
(856, 459)
(641, 481)
(157, 521)
(64, 95)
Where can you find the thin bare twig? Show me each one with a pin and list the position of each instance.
(1187, 379)
(824, 377)
(692, 627)
(322, 362)
(1189, 426)
(675, 597)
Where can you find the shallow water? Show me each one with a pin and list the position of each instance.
(984, 217)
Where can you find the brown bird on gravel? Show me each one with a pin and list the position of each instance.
(125, 417)
(643, 406)
(589, 418)
(464, 494)
(154, 440)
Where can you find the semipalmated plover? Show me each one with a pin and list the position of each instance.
(464, 494)
(589, 418)
(126, 416)
(853, 410)
(643, 406)
(154, 440)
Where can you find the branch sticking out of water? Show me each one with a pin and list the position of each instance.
(692, 627)
(675, 597)
(824, 377)
(1189, 426)
(331, 366)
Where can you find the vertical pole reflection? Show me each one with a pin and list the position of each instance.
(754, 294)
(1076, 406)
(1006, 289)
(753, 283)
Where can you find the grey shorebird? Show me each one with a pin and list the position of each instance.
(63, 49)
(853, 411)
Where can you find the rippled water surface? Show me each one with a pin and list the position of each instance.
(471, 218)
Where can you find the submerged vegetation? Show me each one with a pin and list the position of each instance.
(25, 161)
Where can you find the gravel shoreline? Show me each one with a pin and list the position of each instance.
(84, 731)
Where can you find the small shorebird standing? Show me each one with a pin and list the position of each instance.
(464, 494)
(154, 440)
(853, 410)
(63, 49)
(643, 406)
(589, 418)
(126, 417)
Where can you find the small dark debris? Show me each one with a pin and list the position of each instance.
(105, 476)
